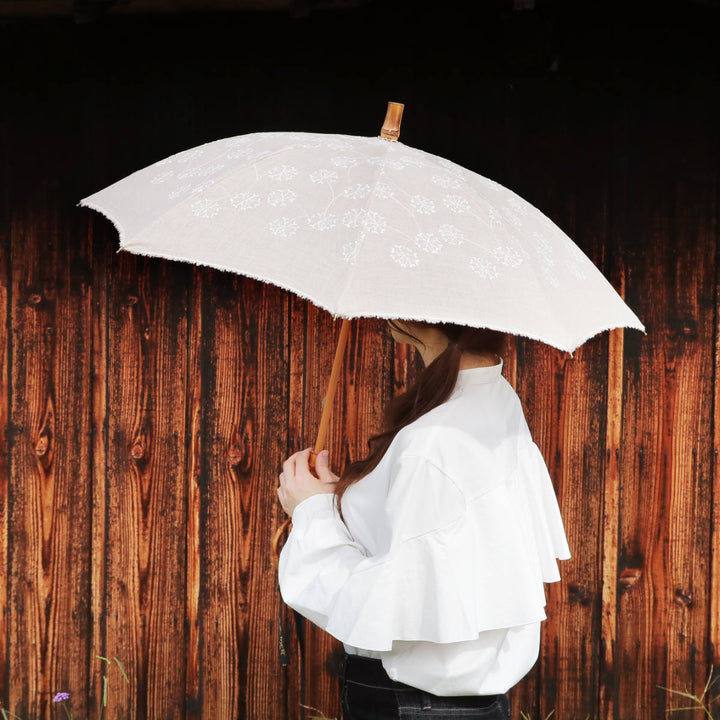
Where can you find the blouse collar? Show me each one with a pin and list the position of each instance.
(479, 375)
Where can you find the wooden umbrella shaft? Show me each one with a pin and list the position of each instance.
(332, 385)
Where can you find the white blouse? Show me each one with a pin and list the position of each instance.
(438, 569)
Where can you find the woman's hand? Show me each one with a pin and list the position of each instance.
(297, 483)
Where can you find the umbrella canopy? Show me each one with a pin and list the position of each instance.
(367, 227)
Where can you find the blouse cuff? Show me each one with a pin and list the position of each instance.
(315, 506)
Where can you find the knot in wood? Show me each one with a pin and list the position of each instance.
(130, 300)
(629, 577)
(683, 598)
(42, 446)
(137, 452)
(34, 299)
(235, 455)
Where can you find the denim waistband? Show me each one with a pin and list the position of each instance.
(371, 673)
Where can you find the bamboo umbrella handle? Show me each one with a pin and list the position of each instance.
(324, 424)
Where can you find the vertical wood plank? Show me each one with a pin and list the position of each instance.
(194, 421)
(103, 243)
(6, 436)
(223, 607)
(265, 311)
(50, 511)
(146, 582)
(665, 524)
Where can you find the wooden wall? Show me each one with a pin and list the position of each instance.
(147, 405)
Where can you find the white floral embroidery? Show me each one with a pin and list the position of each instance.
(508, 256)
(422, 205)
(237, 141)
(349, 251)
(202, 171)
(428, 242)
(205, 208)
(404, 256)
(189, 155)
(284, 226)
(495, 216)
(518, 204)
(366, 219)
(513, 218)
(323, 176)
(343, 161)
(488, 184)
(162, 177)
(338, 145)
(280, 198)
(544, 248)
(282, 172)
(321, 221)
(238, 153)
(483, 268)
(576, 262)
(456, 203)
(412, 162)
(385, 162)
(245, 201)
(357, 192)
(202, 186)
(179, 191)
(451, 235)
(452, 167)
(383, 191)
(449, 183)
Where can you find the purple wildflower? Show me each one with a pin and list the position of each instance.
(61, 696)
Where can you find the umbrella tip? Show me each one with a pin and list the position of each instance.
(393, 117)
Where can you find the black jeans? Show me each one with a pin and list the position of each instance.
(369, 694)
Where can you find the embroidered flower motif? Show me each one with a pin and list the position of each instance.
(443, 181)
(517, 204)
(200, 171)
(237, 153)
(409, 161)
(343, 161)
(202, 186)
(349, 251)
(284, 226)
(451, 167)
(205, 208)
(404, 256)
(451, 235)
(179, 191)
(365, 219)
(383, 191)
(162, 177)
(508, 256)
(483, 268)
(386, 162)
(575, 262)
(245, 201)
(237, 141)
(189, 155)
(321, 221)
(513, 218)
(495, 216)
(282, 172)
(456, 203)
(280, 198)
(428, 242)
(323, 176)
(422, 205)
(488, 184)
(358, 192)
(543, 247)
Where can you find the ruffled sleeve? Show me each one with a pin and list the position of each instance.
(451, 569)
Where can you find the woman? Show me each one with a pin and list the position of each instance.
(427, 558)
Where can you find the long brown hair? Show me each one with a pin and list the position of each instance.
(432, 388)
